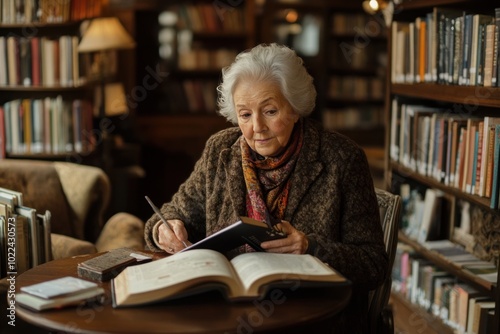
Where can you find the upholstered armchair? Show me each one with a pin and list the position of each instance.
(77, 197)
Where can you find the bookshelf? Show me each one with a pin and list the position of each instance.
(45, 91)
(437, 93)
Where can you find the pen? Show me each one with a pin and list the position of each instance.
(157, 211)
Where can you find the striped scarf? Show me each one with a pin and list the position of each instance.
(268, 180)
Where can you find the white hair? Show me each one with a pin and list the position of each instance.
(271, 62)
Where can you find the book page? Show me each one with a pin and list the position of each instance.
(173, 270)
(254, 269)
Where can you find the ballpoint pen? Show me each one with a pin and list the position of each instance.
(157, 211)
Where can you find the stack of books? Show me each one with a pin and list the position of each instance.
(24, 235)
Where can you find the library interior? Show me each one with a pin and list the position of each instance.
(104, 102)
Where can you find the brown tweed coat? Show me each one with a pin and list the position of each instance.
(331, 200)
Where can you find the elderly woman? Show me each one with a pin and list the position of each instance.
(277, 160)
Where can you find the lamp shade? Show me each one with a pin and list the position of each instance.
(114, 97)
(105, 33)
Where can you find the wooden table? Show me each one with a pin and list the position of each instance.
(294, 312)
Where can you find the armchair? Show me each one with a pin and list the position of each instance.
(77, 197)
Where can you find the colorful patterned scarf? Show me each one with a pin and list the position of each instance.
(268, 180)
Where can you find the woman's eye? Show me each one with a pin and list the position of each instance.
(245, 115)
(271, 112)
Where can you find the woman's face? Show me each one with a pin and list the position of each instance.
(264, 116)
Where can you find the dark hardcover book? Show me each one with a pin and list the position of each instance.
(25, 61)
(466, 51)
(245, 231)
(108, 265)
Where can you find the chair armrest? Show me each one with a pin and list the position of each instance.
(64, 246)
(121, 230)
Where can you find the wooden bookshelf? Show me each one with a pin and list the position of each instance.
(409, 319)
(456, 100)
(38, 79)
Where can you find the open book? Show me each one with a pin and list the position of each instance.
(247, 276)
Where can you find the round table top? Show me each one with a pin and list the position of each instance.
(206, 313)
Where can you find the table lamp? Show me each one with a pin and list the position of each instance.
(103, 35)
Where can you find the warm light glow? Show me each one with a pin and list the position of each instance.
(115, 100)
(105, 33)
(374, 5)
(291, 16)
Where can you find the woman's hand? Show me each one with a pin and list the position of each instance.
(173, 239)
(296, 242)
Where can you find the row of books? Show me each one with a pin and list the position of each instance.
(192, 96)
(197, 58)
(447, 46)
(211, 17)
(455, 149)
(24, 235)
(356, 24)
(424, 213)
(459, 305)
(40, 61)
(46, 126)
(427, 214)
(358, 117)
(47, 11)
(358, 87)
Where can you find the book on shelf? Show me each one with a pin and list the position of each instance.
(489, 48)
(49, 125)
(3, 61)
(496, 177)
(57, 293)
(439, 292)
(431, 217)
(428, 275)
(495, 80)
(447, 46)
(471, 308)
(48, 11)
(465, 293)
(455, 150)
(206, 17)
(480, 318)
(40, 61)
(483, 270)
(245, 277)
(479, 21)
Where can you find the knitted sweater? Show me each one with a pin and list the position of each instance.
(331, 199)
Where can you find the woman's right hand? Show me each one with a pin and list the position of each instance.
(173, 239)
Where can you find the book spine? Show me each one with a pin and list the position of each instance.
(496, 167)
